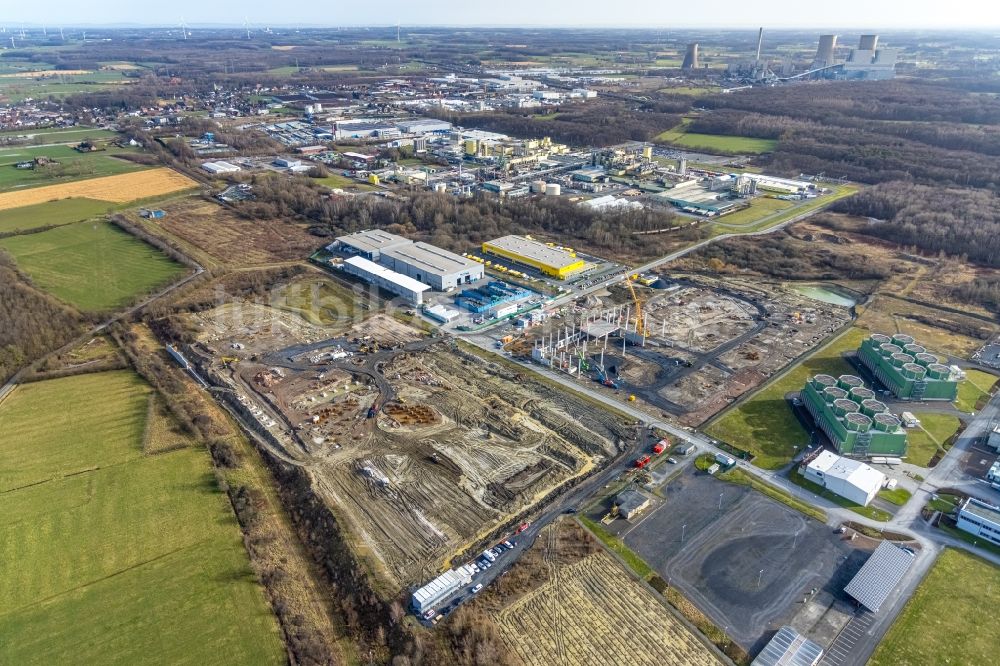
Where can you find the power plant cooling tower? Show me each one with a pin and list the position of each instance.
(691, 57)
(824, 54)
(868, 43)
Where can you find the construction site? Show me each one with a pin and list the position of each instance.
(422, 448)
(687, 346)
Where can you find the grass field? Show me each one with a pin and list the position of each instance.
(679, 136)
(944, 621)
(91, 265)
(976, 386)
(62, 211)
(112, 556)
(765, 424)
(120, 188)
(759, 208)
(71, 166)
(765, 218)
(318, 300)
(344, 183)
(923, 443)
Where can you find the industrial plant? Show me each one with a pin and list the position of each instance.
(849, 415)
(907, 369)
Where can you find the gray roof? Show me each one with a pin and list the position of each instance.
(371, 240)
(982, 510)
(879, 576)
(630, 500)
(429, 258)
(789, 648)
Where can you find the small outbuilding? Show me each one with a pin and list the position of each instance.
(631, 503)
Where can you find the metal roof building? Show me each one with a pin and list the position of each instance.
(440, 588)
(789, 648)
(391, 281)
(880, 575)
(848, 478)
(980, 519)
(369, 243)
(548, 259)
(431, 265)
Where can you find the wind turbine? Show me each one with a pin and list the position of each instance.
(184, 31)
(246, 24)
(61, 36)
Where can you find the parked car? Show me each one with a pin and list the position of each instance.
(477, 588)
(429, 614)
(672, 461)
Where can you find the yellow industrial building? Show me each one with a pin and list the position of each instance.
(549, 260)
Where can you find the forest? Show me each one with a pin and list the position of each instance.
(32, 324)
(594, 123)
(462, 224)
(955, 221)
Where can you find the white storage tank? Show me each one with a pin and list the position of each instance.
(553, 189)
(440, 187)
(538, 186)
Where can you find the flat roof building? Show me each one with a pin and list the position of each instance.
(907, 369)
(369, 243)
(848, 413)
(215, 168)
(630, 503)
(851, 479)
(980, 519)
(431, 265)
(879, 575)
(547, 259)
(391, 281)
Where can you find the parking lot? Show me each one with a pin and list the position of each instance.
(751, 565)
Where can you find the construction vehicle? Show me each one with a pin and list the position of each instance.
(584, 363)
(639, 326)
(660, 446)
(642, 461)
(631, 397)
(226, 360)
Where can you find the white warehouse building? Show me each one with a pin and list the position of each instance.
(980, 519)
(851, 479)
(393, 282)
(440, 589)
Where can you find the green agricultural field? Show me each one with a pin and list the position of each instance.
(51, 135)
(765, 424)
(679, 136)
(976, 386)
(112, 556)
(62, 211)
(923, 443)
(74, 166)
(944, 621)
(91, 265)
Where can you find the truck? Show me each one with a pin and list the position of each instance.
(642, 461)
(661, 446)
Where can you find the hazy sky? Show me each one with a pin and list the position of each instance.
(861, 14)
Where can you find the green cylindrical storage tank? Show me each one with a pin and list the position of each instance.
(878, 339)
(822, 381)
(913, 371)
(926, 359)
(832, 393)
(913, 349)
(888, 350)
(861, 393)
(871, 407)
(857, 422)
(938, 371)
(902, 339)
(847, 382)
(899, 360)
(886, 422)
(844, 406)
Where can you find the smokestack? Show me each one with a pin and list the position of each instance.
(760, 41)
(691, 57)
(824, 54)
(868, 43)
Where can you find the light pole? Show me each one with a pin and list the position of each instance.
(759, 576)
(683, 529)
(720, 501)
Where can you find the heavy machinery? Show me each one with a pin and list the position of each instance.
(640, 328)
(226, 360)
